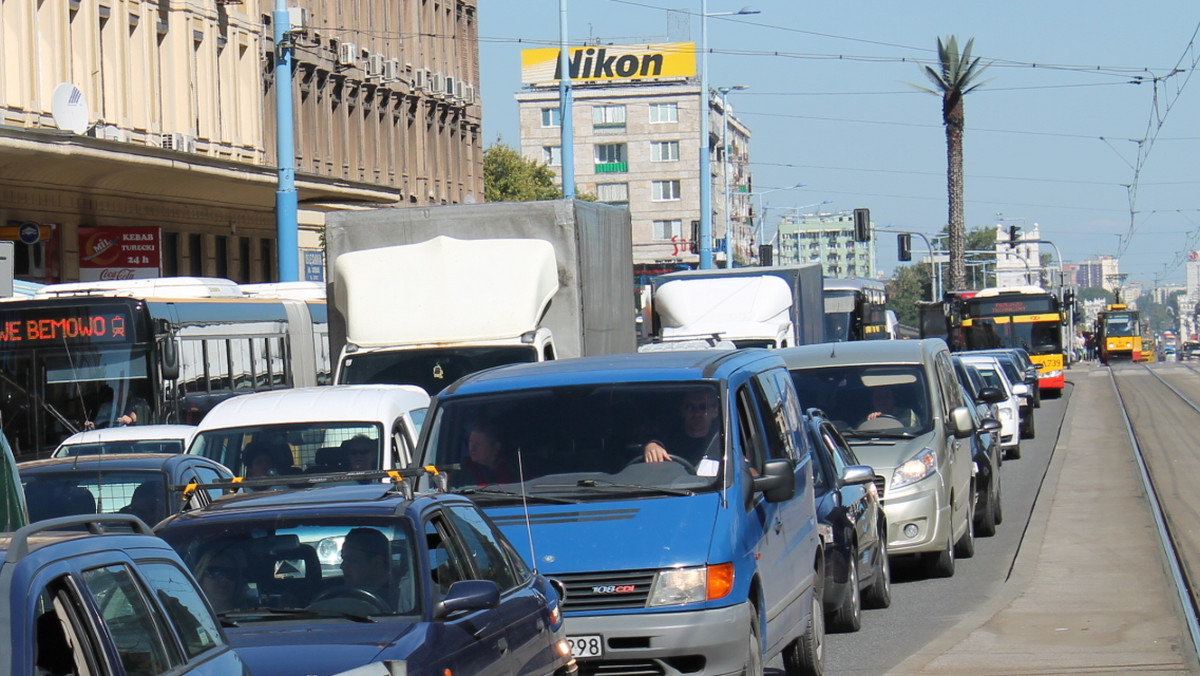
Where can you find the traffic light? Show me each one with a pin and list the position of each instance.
(695, 240)
(904, 246)
(862, 225)
(765, 255)
(1013, 233)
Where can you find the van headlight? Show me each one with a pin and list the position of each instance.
(914, 469)
(691, 585)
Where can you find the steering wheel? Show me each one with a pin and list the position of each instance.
(354, 594)
(674, 458)
(880, 422)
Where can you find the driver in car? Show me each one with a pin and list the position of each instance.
(367, 564)
(692, 438)
(883, 404)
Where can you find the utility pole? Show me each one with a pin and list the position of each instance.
(286, 201)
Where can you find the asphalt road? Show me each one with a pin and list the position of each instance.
(924, 608)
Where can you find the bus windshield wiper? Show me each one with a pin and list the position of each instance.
(496, 492)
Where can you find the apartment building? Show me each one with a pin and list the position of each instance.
(828, 239)
(138, 137)
(637, 143)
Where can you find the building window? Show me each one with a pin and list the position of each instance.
(664, 151)
(551, 117)
(552, 155)
(665, 230)
(664, 112)
(611, 158)
(661, 191)
(608, 117)
(612, 193)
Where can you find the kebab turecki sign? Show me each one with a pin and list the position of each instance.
(118, 253)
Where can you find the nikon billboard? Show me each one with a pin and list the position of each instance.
(611, 64)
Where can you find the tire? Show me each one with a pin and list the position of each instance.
(986, 520)
(1014, 452)
(848, 616)
(999, 512)
(806, 655)
(965, 547)
(941, 564)
(1027, 430)
(879, 594)
(754, 656)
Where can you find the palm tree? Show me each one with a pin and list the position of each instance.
(956, 76)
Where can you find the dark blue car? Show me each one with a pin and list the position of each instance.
(853, 526)
(323, 580)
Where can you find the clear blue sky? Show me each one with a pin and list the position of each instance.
(1053, 137)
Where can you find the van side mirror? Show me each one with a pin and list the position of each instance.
(777, 482)
(961, 424)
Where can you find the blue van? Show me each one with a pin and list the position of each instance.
(669, 495)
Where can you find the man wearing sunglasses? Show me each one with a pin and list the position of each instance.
(693, 437)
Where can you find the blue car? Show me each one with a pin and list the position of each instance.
(670, 493)
(328, 579)
(858, 573)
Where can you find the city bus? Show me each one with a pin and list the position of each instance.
(854, 310)
(1119, 334)
(1028, 317)
(167, 349)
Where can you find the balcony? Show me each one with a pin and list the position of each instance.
(612, 167)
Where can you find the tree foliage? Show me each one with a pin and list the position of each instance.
(910, 284)
(508, 177)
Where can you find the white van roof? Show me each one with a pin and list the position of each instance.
(331, 403)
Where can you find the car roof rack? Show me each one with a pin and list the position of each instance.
(195, 495)
(95, 524)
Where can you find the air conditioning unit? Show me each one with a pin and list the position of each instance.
(451, 84)
(348, 54)
(469, 93)
(391, 70)
(298, 18)
(375, 65)
(460, 90)
(183, 143)
(421, 79)
(437, 84)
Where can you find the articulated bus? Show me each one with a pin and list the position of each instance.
(168, 349)
(1028, 317)
(854, 310)
(1119, 334)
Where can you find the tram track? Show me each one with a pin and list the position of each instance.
(1174, 519)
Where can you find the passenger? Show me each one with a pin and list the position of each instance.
(361, 453)
(147, 503)
(883, 404)
(221, 572)
(693, 438)
(367, 564)
(485, 461)
(267, 457)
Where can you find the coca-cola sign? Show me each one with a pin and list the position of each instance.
(119, 253)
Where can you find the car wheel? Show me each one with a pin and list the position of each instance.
(805, 656)
(999, 511)
(879, 594)
(1013, 452)
(986, 520)
(848, 616)
(754, 656)
(965, 547)
(1027, 430)
(941, 564)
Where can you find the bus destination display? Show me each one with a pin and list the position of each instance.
(59, 325)
(1008, 306)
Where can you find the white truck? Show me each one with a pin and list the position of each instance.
(425, 295)
(752, 307)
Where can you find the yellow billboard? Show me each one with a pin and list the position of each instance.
(611, 63)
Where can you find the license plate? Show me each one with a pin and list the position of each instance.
(586, 646)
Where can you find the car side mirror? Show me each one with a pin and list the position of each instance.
(467, 595)
(858, 474)
(1020, 389)
(990, 425)
(992, 395)
(777, 482)
(961, 424)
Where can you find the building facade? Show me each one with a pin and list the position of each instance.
(637, 143)
(138, 138)
(827, 239)
(1103, 272)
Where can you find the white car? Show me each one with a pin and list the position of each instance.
(1009, 410)
(128, 439)
(310, 429)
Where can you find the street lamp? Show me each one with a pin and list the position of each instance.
(725, 164)
(705, 170)
(758, 217)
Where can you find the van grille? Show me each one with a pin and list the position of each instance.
(606, 590)
(880, 482)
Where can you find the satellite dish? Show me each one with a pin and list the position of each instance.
(69, 108)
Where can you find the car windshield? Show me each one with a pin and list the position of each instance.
(312, 448)
(125, 446)
(96, 491)
(276, 569)
(992, 378)
(874, 400)
(582, 442)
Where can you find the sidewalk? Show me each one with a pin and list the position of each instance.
(1090, 591)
